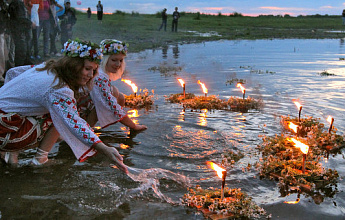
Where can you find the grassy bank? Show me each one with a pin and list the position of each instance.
(141, 30)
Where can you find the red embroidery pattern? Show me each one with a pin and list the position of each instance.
(102, 84)
(66, 105)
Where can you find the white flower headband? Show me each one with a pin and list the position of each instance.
(83, 49)
(110, 46)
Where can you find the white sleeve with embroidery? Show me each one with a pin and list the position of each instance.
(73, 129)
(107, 108)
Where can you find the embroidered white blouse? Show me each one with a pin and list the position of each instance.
(107, 108)
(31, 94)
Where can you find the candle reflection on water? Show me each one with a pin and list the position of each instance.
(133, 113)
(203, 117)
(181, 115)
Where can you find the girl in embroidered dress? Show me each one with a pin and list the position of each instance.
(39, 106)
(105, 101)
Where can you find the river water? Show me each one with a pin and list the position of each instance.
(171, 154)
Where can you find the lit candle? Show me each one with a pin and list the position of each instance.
(304, 148)
(221, 173)
(293, 127)
(330, 119)
(299, 107)
(204, 89)
(134, 87)
(183, 86)
(242, 89)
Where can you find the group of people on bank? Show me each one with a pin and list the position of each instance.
(21, 24)
(175, 15)
(63, 99)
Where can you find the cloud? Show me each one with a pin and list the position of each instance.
(327, 7)
(210, 9)
(284, 9)
(214, 8)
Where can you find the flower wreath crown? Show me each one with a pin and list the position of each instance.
(110, 46)
(83, 49)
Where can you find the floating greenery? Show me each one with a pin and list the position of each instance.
(235, 80)
(213, 102)
(166, 70)
(243, 105)
(257, 71)
(325, 73)
(141, 100)
(179, 97)
(202, 102)
(230, 157)
(284, 162)
(322, 141)
(235, 205)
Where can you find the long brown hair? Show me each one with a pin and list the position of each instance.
(67, 71)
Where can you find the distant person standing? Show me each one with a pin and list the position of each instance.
(164, 20)
(44, 17)
(68, 19)
(343, 16)
(176, 16)
(4, 19)
(99, 11)
(54, 26)
(89, 13)
(20, 25)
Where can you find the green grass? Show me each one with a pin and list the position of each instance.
(141, 30)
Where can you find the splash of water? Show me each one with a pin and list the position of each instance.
(149, 180)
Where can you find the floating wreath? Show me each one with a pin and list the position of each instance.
(141, 100)
(213, 102)
(235, 204)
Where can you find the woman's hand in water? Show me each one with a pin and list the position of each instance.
(113, 155)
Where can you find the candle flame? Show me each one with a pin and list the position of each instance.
(134, 87)
(181, 82)
(299, 106)
(217, 168)
(292, 202)
(330, 119)
(242, 88)
(303, 147)
(293, 127)
(203, 86)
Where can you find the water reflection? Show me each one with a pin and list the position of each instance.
(181, 116)
(133, 113)
(176, 52)
(165, 51)
(203, 117)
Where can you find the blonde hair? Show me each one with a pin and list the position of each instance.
(112, 76)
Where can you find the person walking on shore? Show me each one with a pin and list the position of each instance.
(343, 17)
(176, 16)
(164, 20)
